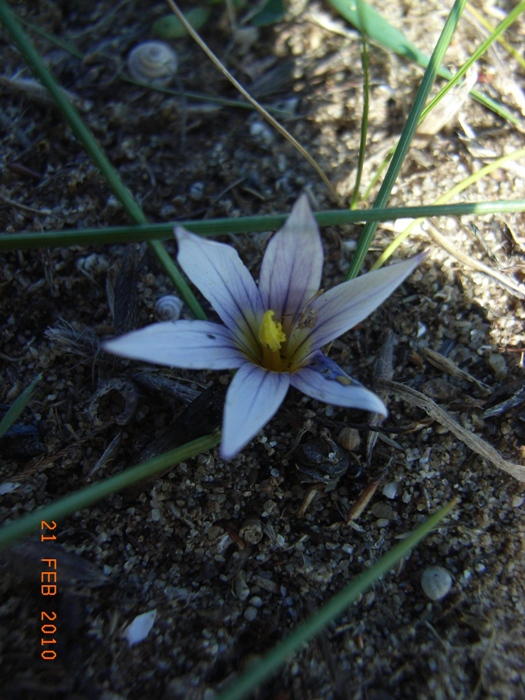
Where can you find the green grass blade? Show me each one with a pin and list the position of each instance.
(383, 33)
(18, 406)
(481, 19)
(276, 657)
(460, 187)
(496, 33)
(91, 145)
(95, 492)
(248, 224)
(407, 133)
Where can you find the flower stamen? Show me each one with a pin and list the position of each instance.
(271, 333)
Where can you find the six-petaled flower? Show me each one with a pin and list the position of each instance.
(272, 333)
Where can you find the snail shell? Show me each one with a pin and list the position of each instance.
(168, 308)
(152, 62)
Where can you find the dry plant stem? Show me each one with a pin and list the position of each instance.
(250, 99)
(470, 439)
(446, 365)
(511, 285)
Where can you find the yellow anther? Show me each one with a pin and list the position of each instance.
(271, 333)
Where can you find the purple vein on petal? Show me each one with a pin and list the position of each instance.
(344, 306)
(313, 384)
(184, 344)
(218, 272)
(292, 264)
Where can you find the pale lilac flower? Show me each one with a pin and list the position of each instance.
(272, 333)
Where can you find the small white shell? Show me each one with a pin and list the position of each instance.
(436, 582)
(168, 308)
(153, 62)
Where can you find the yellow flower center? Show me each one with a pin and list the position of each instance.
(279, 349)
(272, 337)
(271, 333)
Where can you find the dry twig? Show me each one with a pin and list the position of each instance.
(470, 439)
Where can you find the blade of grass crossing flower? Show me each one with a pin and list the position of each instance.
(91, 145)
(247, 224)
(446, 198)
(277, 657)
(18, 406)
(408, 132)
(95, 492)
(384, 34)
(366, 105)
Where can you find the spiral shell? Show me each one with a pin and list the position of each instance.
(152, 62)
(168, 308)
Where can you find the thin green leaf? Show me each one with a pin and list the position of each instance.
(450, 194)
(383, 33)
(496, 33)
(482, 20)
(276, 657)
(246, 224)
(408, 132)
(18, 406)
(95, 492)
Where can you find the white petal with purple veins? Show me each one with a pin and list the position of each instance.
(292, 264)
(253, 398)
(344, 306)
(329, 390)
(220, 275)
(185, 344)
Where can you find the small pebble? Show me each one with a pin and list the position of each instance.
(382, 510)
(498, 366)
(242, 590)
(436, 582)
(349, 439)
(390, 489)
(250, 613)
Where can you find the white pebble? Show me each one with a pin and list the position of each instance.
(436, 582)
(390, 489)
